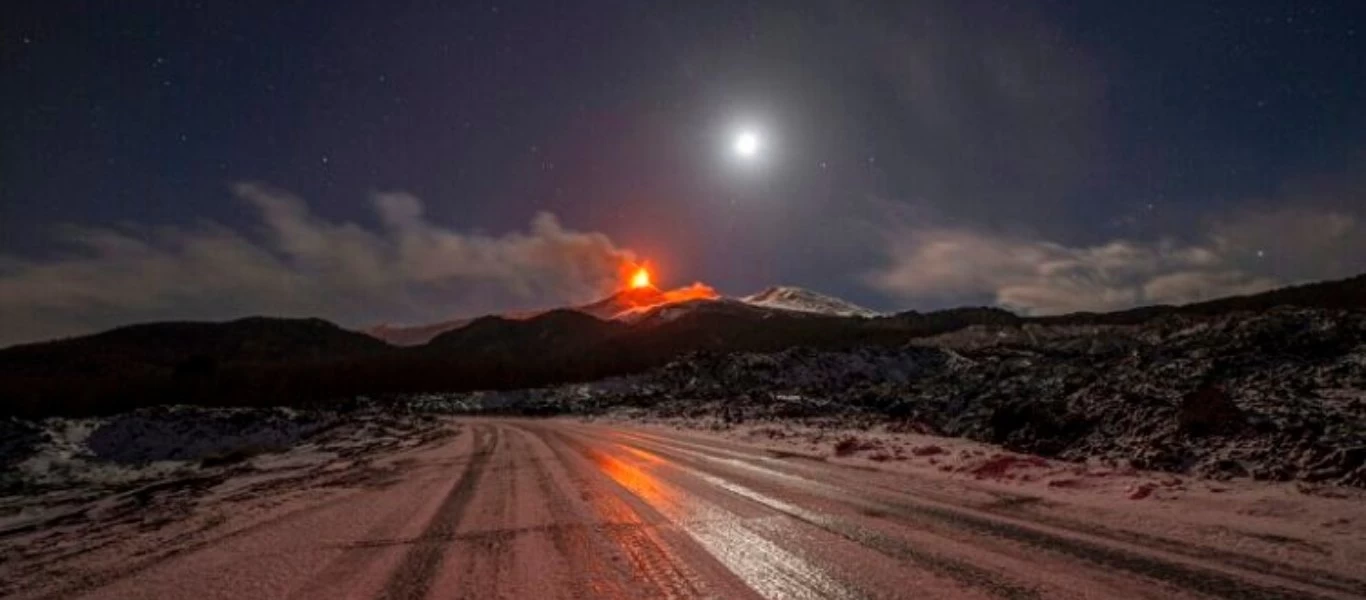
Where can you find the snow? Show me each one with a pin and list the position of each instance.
(804, 300)
(74, 519)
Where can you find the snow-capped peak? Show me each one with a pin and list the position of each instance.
(803, 300)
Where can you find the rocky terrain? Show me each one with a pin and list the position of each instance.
(86, 501)
(116, 453)
(1272, 395)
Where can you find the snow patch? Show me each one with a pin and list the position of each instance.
(804, 300)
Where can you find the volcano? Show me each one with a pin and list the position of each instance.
(625, 300)
(637, 303)
(630, 304)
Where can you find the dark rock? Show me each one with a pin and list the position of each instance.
(1209, 411)
(18, 440)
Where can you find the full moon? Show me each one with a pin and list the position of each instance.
(746, 144)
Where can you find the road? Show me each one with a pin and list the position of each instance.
(559, 509)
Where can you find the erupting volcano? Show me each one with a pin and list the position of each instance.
(639, 295)
(636, 298)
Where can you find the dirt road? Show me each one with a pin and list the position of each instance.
(555, 509)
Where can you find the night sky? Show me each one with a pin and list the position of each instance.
(366, 163)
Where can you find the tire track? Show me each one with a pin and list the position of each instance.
(771, 570)
(357, 557)
(963, 572)
(570, 536)
(648, 560)
(490, 560)
(413, 577)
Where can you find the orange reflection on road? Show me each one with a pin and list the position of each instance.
(649, 457)
(639, 481)
(767, 568)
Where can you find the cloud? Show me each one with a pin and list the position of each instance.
(300, 264)
(1246, 252)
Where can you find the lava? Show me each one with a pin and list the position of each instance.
(639, 300)
(638, 294)
(641, 279)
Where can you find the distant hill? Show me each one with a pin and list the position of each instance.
(556, 332)
(1342, 294)
(253, 339)
(299, 361)
(413, 335)
(173, 361)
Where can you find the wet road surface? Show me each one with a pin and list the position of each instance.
(557, 509)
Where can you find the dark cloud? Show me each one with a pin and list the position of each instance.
(300, 264)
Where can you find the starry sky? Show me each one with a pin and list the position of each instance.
(408, 162)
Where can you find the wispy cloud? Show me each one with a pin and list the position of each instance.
(1243, 253)
(299, 264)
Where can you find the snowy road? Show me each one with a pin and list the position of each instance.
(557, 509)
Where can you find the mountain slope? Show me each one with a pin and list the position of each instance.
(253, 339)
(804, 300)
(556, 332)
(625, 305)
(413, 335)
(623, 301)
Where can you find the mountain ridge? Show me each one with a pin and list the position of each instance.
(263, 360)
(634, 303)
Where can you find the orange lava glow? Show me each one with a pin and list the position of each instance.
(696, 291)
(638, 293)
(638, 300)
(641, 279)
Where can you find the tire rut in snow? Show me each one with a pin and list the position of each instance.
(413, 577)
(965, 573)
(569, 535)
(490, 554)
(647, 557)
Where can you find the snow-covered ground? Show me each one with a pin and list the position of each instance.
(152, 443)
(151, 482)
(804, 300)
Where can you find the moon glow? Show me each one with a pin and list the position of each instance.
(746, 144)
